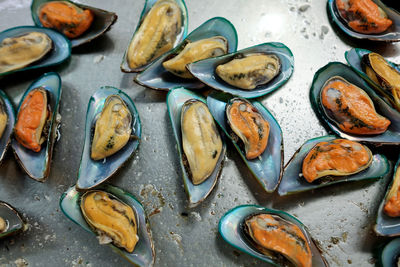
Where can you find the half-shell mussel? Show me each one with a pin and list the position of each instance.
(385, 75)
(249, 70)
(113, 220)
(351, 108)
(11, 221)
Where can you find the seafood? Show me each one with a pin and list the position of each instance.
(3, 117)
(32, 124)
(65, 17)
(249, 71)
(195, 51)
(383, 74)
(113, 220)
(113, 128)
(273, 235)
(3, 225)
(392, 202)
(338, 157)
(364, 16)
(249, 125)
(20, 51)
(351, 108)
(201, 141)
(156, 35)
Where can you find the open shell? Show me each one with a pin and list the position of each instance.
(143, 254)
(390, 136)
(37, 164)
(157, 77)
(12, 219)
(94, 172)
(293, 182)
(196, 193)
(392, 34)
(266, 168)
(204, 70)
(231, 229)
(5, 139)
(147, 7)
(60, 51)
(102, 21)
(390, 254)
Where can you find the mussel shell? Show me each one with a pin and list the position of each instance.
(204, 70)
(5, 139)
(37, 164)
(354, 58)
(94, 172)
(13, 218)
(268, 167)
(143, 254)
(390, 136)
(390, 254)
(390, 35)
(386, 225)
(196, 193)
(101, 23)
(292, 182)
(147, 6)
(231, 229)
(60, 52)
(157, 77)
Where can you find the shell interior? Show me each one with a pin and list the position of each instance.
(37, 164)
(8, 108)
(293, 182)
(143, 254)
(102, 22)
(390, 254)
(93, 172)
(157, 77)
(196, 193)
(12, 219)
(266, 168)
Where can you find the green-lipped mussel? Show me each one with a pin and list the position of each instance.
(7, 121)
(390, 254)
(11, 221)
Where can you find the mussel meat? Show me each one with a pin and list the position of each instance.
(364, 16)
(113, 220)
(113, 128)
(33, 120)
(20, 51)
(339, 157)
(201, 142)
(276, 237)
(351, 108)
(3, 225)
(249, 125)
(195, 51)
(392, 202)
(249, 71)
(65, 17)
(156, 35)
(3, 117)
(383, 74)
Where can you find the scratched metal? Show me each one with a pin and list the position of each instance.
(340, 217)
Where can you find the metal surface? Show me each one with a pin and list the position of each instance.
(340, 217)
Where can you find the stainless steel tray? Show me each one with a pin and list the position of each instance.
(340, 217)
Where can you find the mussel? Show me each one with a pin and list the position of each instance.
(384, 75)
(351, 108)
(65, 17)
(11, 221)
(3, 117)
(270, 235)
(201, 140)
(392, 199)
(249, 125)
(113, 220)
(160, 30)
(249, 70)
(113, 128)
(7, 121)
(390, 255)
(338, 157)
(20, 51)
(364, 16)
(194, 51)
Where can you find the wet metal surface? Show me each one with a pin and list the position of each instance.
(340, 217)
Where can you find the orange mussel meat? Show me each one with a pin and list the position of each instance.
(351, 108)
(392, 204)
(338, 157)
(65, 17)
(273, 233)
(364, 16)
(31, 119)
